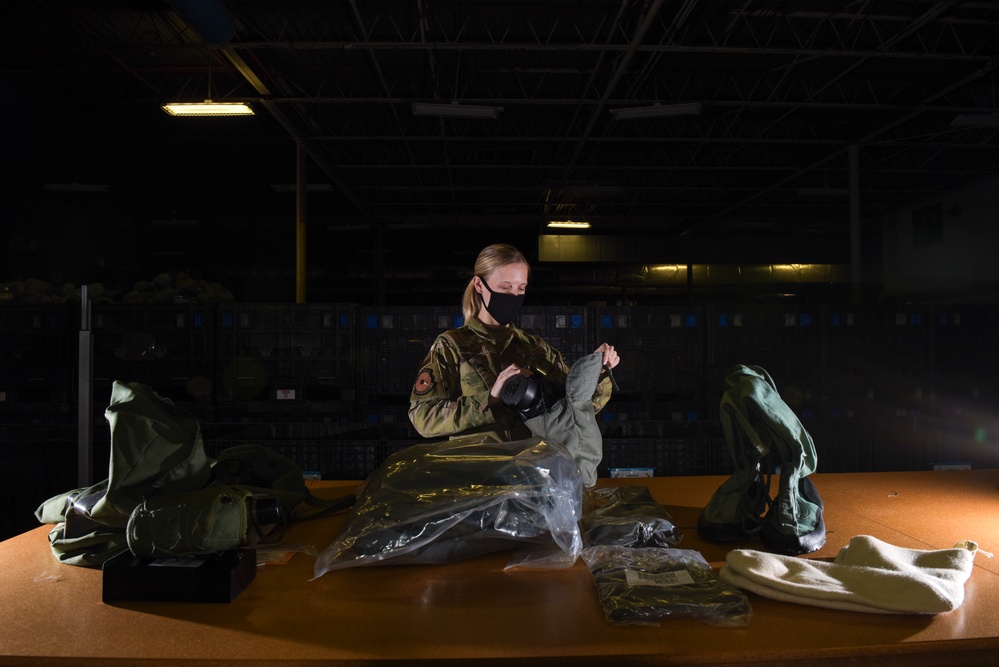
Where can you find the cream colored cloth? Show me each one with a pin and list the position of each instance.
(868, 575)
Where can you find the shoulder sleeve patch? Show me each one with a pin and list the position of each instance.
(424, 382)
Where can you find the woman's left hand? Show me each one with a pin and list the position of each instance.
(610, 356)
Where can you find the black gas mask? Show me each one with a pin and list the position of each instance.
(531, 395)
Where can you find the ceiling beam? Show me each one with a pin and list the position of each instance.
(578, 47)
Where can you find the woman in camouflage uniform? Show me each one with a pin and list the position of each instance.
(457, 390)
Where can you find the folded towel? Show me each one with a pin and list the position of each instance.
(868, 575)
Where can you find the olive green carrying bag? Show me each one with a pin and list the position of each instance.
(156, 449)
(164, 497)
(253, 494)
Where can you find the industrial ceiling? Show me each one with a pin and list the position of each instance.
(766, 115)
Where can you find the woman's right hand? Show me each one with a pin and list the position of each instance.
(504, 375)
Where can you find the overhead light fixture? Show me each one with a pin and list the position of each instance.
(824, 192)
(208, 108)
(455, 110)
(568, 224)
(75, 187)
(311, 187)
(657, 111)
(981, 120)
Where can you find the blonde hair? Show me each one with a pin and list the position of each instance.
(491, 258)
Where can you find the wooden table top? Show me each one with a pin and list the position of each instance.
(476, 610)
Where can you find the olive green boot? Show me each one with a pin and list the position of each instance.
(765, 437)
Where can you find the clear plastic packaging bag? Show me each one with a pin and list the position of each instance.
(647, 585)
(628, 516)
(450, 500)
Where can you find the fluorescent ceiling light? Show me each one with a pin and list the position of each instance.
(455, 110)
(311, 187)
(208, 108)
(824, 192)
(568, 224)
(657, 111)
(75, 187)
(982, 120)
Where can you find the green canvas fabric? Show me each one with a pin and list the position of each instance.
(262, 470)
(164, 495)
(204, 522)
(736, 508)
(156, 449)
(571, 420)
(764, 435)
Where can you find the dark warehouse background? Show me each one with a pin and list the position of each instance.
(808, 186)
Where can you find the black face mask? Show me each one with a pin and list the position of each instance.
(502, 306)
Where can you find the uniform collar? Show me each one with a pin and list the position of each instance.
(476, 325)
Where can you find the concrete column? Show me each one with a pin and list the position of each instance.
(85, 397)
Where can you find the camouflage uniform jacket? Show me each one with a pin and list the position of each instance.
(451, 392)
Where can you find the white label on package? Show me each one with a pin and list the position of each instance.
(177, 562)
(663, 579)
(631, 472)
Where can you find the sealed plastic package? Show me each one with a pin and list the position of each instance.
(450, 500)
(628, 516)
(644, 586)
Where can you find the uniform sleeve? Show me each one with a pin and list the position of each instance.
(602, 394)
(554, 365)
(440, 404)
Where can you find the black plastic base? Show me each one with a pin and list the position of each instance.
(212, 579)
